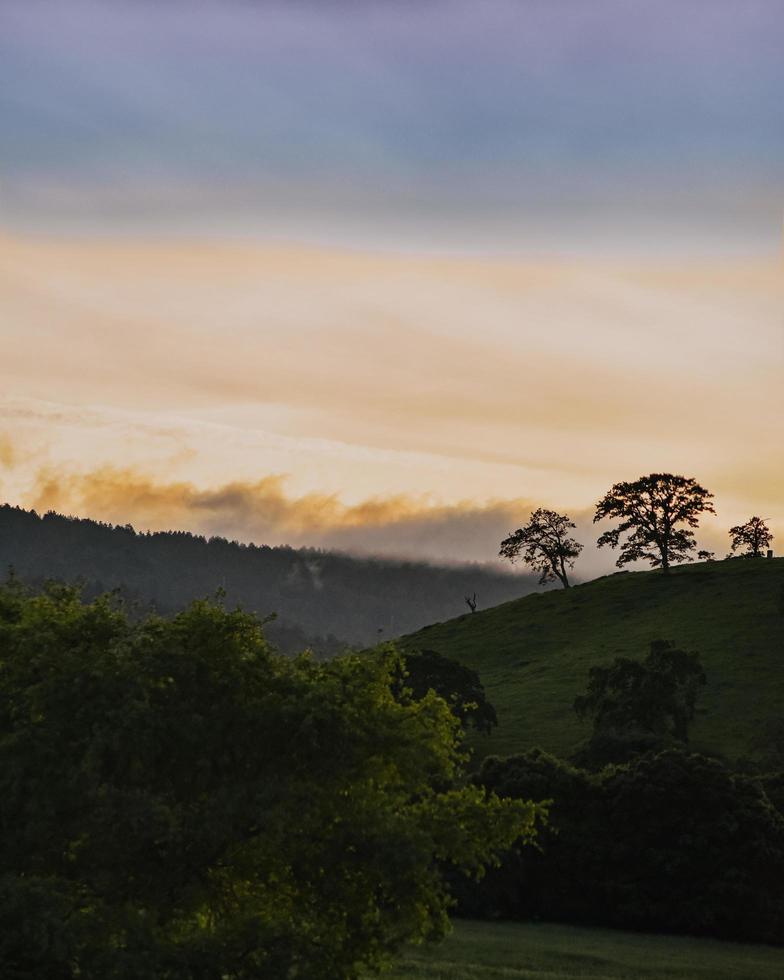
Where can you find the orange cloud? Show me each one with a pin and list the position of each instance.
(8, 453)
(262, 512)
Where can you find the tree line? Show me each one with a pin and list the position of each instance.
(657, 514)
(642, 833)
(322, 599)
(669, 841)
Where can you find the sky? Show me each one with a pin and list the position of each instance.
(384, 276)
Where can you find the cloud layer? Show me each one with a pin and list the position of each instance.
(264, 512)
(566, 125)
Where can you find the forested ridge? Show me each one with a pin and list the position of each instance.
(321, 598)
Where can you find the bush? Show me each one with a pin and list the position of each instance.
(672, 842)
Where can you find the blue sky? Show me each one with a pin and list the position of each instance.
(541, 124)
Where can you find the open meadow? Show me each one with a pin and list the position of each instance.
(530, 951)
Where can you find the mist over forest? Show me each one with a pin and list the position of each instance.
(322, 599)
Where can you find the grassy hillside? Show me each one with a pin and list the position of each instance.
(527, 951)
(533, 653)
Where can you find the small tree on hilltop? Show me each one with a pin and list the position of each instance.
(653, 509)
(751, 538)
(545, 546)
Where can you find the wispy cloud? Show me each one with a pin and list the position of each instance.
(453, 122)
(8, 453)
(374, 376)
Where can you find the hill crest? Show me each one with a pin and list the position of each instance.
(533, 654)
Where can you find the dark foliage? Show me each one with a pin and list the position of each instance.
(636, 706)
(767, 744)
(653, 511)
(751, 539)
(318, 596)
(672, 842)
(425, 670)
(773, 785)
(177, 801)
(545, 546)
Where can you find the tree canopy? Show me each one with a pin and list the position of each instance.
(750, 539)
(657, 512)
(651, 697)
(422, 671)
(670, 841)
(545, 546)
(180, 802)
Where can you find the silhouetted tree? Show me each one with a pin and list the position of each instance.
(471, 602)
(545, 546)
(651, 510)
(751, 538)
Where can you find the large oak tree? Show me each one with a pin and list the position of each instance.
(657, 512)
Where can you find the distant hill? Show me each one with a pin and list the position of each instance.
(533, 654)
(323, 598)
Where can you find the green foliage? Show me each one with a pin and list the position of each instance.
(641, 703)
(650, 509)
(422, 671)
(545, 546)
(534, 653)
(674, 842)
(177, 801)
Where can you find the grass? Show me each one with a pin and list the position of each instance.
(528, 951)
(533, 654)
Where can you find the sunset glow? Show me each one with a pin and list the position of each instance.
(350, 305)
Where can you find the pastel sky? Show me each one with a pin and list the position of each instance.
(384, 275)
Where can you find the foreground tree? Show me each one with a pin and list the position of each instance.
(545, 546)
(180, 802)
(751, 538)
(653, 510)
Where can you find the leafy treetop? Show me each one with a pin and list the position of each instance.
(422, 671)
(653, 510)
(179, 801)
(751, 538)
(655, 696)
(545, 546)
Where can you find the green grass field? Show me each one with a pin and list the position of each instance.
(527, 951)
(533, 654)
